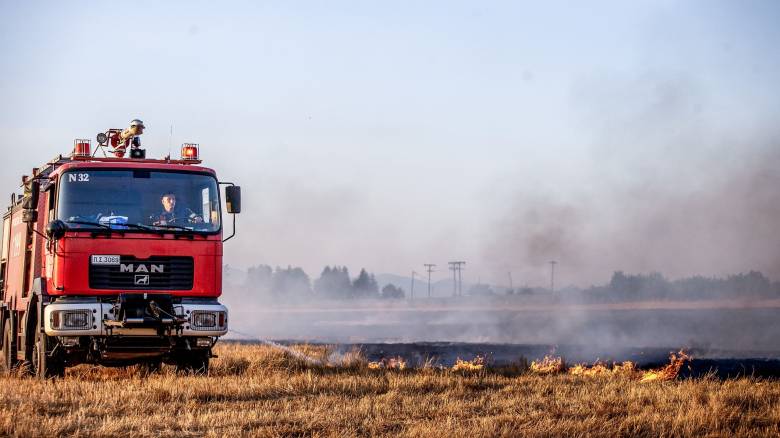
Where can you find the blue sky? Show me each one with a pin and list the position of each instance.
(388, 135)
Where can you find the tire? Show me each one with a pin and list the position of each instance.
(193, 363)
(9, 348)
(149, 368)
(43, 366)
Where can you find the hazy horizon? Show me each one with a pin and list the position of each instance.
(611, 136)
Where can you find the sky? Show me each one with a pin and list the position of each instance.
(638, 136)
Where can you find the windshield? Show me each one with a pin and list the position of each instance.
(138, 200)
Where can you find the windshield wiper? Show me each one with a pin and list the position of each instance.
(174, 227)
(89, 223)
(120, 227)
(110, 227)
(139, 227)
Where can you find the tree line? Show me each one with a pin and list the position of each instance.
(654, 286)
(334, 283)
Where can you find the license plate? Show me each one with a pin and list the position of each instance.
(105, 260)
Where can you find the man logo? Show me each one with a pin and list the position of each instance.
(142, 280)
(129, 267)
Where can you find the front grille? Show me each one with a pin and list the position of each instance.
(154, 273)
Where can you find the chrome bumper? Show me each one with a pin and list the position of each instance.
(104, 322)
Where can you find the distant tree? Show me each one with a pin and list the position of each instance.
(333, 283)
(525, 290)
(654, 286)
(752, 284)
(639, 287)
(228, 276)
(290, 282)
(480, 289)
(365, 286)
(391, 291)
(259, 279)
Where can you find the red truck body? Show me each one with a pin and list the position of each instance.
(108, 288)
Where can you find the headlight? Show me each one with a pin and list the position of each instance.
(71, 319)
(207, 320)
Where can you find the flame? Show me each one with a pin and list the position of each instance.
(627, 369)
(393, 363)
(548, 365)
(670, 371)
(475, 364)
(599, 369)
(555, 365)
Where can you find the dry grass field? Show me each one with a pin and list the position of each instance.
(256, 390)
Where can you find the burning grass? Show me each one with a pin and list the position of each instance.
(260, 390)
(548, 365)
(392, 363)
(476, 364)
(629, 369)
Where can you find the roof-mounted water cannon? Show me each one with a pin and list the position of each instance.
(117, 140)
(190, 152)
(131, 136)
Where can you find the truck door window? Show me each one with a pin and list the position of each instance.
(51, 194)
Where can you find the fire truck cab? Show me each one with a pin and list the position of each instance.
(114, 261)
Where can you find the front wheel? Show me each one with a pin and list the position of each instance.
(45, 365)
(150, 367)
(193, 362)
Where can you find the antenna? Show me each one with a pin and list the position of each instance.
(170, 139)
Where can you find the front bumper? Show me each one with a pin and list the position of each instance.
(104, 321)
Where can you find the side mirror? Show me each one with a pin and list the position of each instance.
(233, 199)
(30, 201)
(56, 229)
(29, 216)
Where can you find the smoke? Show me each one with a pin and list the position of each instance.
(666, 189)
(730, 331)
(674, 173)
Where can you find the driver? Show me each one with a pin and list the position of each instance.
(171, 215)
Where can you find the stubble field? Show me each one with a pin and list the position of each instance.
(257, 390)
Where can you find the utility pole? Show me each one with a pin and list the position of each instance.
(460, 278)
(552, 275)
(453, 267)
(457, 277)
(429, 267)
(511, 285)
(413, 274)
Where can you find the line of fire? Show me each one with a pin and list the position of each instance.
(115, 260)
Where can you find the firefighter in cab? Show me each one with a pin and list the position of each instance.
(170, 215)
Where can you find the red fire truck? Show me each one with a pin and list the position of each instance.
(114, 261)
